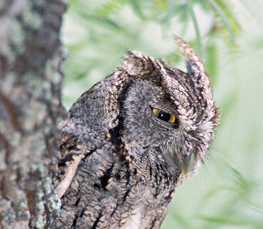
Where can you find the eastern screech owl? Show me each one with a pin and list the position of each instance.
(131, 139)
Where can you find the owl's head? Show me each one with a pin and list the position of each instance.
(162, 116)
(167, 114)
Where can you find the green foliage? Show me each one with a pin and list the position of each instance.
(227, 191)
(101, 31)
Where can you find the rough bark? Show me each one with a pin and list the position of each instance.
(30, 91)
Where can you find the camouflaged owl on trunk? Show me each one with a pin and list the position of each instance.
(131, 139)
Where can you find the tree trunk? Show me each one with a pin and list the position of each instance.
(30, 103)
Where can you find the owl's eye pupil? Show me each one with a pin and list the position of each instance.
(164, 116)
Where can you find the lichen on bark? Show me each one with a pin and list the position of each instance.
(30, 103)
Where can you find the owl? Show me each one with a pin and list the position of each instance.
(131, 139)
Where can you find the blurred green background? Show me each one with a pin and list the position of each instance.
(227, 191)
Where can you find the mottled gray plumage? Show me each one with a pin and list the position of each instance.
(121, 159)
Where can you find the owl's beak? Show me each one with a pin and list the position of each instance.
(187, 164)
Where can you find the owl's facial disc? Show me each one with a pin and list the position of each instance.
(166, 116)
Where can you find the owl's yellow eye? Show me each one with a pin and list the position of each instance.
(166, 117)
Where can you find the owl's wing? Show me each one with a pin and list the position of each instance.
(77, 142)
(71, 152)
